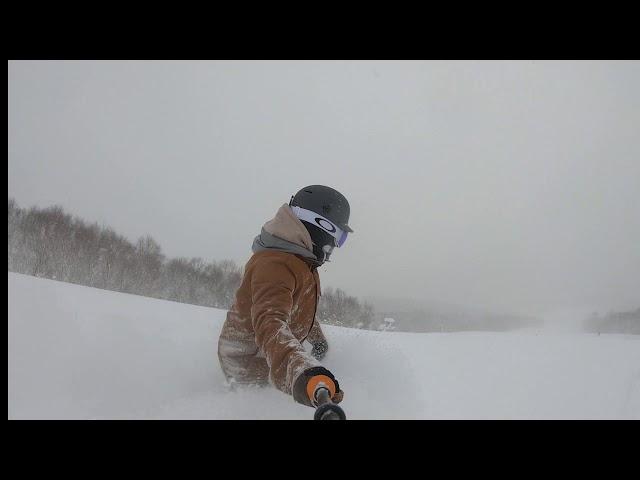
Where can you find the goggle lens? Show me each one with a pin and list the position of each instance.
(342, 239)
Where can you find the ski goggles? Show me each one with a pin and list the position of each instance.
(322, 222)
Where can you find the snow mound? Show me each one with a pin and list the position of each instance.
(83, 353)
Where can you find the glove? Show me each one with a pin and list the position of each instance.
(306, 384)
(319, 349)
(337, 398)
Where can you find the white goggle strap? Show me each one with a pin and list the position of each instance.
(317, 219)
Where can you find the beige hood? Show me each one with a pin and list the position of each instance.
(287, 226)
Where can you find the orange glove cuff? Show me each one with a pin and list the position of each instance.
(313, 382)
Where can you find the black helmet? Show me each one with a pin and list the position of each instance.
(326, 201)
(324, 209)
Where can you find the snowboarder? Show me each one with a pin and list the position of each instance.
(275, 306)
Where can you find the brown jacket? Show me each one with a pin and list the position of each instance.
(274, 310)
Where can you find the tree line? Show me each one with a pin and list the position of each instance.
(425, 321)
(338, 308)
(614, 322)
(51, 243)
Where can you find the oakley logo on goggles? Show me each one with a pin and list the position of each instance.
(325, 224)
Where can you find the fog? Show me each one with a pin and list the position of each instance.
(503, 185)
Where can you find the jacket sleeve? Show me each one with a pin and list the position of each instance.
(272, 286)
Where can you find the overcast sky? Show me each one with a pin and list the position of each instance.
(503, 185)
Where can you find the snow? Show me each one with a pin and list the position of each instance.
(79, 352)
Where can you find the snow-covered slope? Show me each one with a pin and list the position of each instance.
(78, 352)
